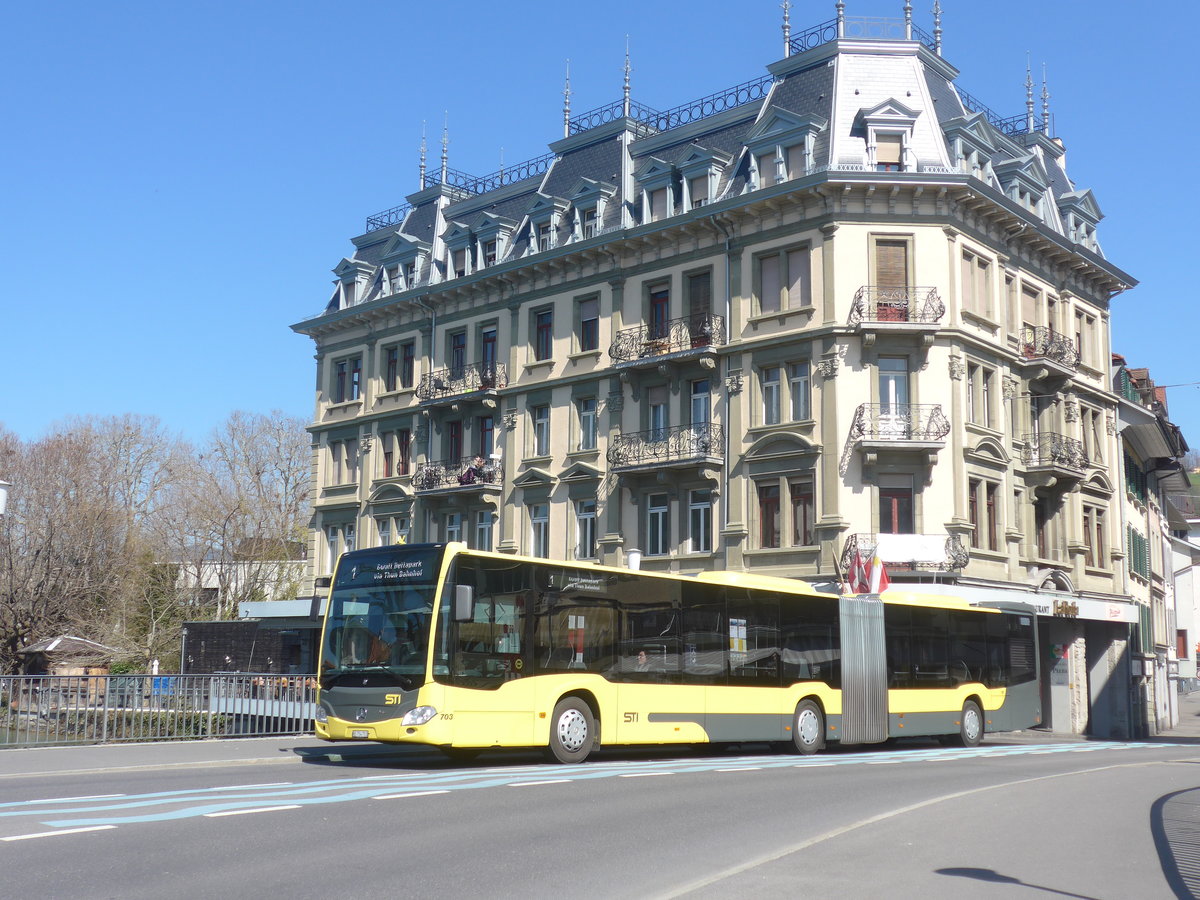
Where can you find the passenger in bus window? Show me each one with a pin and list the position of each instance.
(643, 662)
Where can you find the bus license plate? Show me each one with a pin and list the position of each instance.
(360, 733)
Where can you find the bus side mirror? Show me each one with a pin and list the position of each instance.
(464, 603)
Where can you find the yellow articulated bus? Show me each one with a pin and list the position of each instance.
(463, 650)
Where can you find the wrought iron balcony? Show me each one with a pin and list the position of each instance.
(677, 444)
(1042, 344)
(908, 552)
(672, 336)
(445, 384)
(900, 423)
(1048, 450)
(457, 475)
(896, 305)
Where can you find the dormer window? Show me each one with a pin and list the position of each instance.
(544, 236)
(657, 185)
(588, 197)
(782, 146)
(459, 262)
(489, 253)
(410, 274)
(589, 223)
(658, 200)
(698, 194)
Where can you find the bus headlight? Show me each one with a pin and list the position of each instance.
(419, 716)
(321, 715)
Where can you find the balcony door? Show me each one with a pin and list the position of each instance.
(896, 504)
(701, 415)
(487, 358)
(893, 397)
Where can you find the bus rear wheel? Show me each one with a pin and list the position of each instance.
(808, 728)
(970, 729)
(572, 731)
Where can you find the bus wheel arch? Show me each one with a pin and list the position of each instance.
(574, 728)
(971, 722)
(808, 726)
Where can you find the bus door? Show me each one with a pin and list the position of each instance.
(490, 661)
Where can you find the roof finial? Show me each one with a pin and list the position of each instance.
(787, 27)
(445, 144)
(841, 18)
(1028, 95)
(1045, 104)
(625, 94)
(567, 103)
(908, 20)
(422, 166)
(937, 27)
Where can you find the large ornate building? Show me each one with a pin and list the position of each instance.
(842, 307)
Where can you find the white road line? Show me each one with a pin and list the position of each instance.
(535, 783)
(243, 812)
(741, 769)
(643, 774)
(406, 796)
(812, 765)
(247, 787)
(42, 834)
(74, 799)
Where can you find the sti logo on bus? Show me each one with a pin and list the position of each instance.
(393, 699)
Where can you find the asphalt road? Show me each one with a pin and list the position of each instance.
(1013, 818)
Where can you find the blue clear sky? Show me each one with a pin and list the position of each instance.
(179, 178)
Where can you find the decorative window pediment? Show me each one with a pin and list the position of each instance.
(581, 472)
(887, 128)
(545, 215)
(989, 452)
(534, 478)
(403, 247)
(1080, 214)
(457, 236)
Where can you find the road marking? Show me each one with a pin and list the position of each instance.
(73, 799)
(244, 812)
(643, 774)
(535, 783)
(406, 796)
(247, 787)
(741, 769)
(42, 834)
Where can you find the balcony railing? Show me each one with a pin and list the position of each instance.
(1045, 343)
(896, 305)
(457, 473)
(908, 552)
(679, 443)
(454, 382)
(672, 336)
(901, 422)
(1057, 450)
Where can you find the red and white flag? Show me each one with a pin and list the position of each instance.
(856, 577)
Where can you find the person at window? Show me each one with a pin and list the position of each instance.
(643, 662)
(473, 472)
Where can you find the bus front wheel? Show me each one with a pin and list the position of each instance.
(808, 728)
(970, 729)
(572, 731)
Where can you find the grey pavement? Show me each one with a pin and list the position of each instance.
(306, 748)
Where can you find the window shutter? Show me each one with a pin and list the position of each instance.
(887, 149)
(769, 284)
(891, 264)
(799, 290)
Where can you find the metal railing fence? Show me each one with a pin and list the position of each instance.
(45, 710)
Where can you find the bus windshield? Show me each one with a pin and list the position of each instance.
(377, 626)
